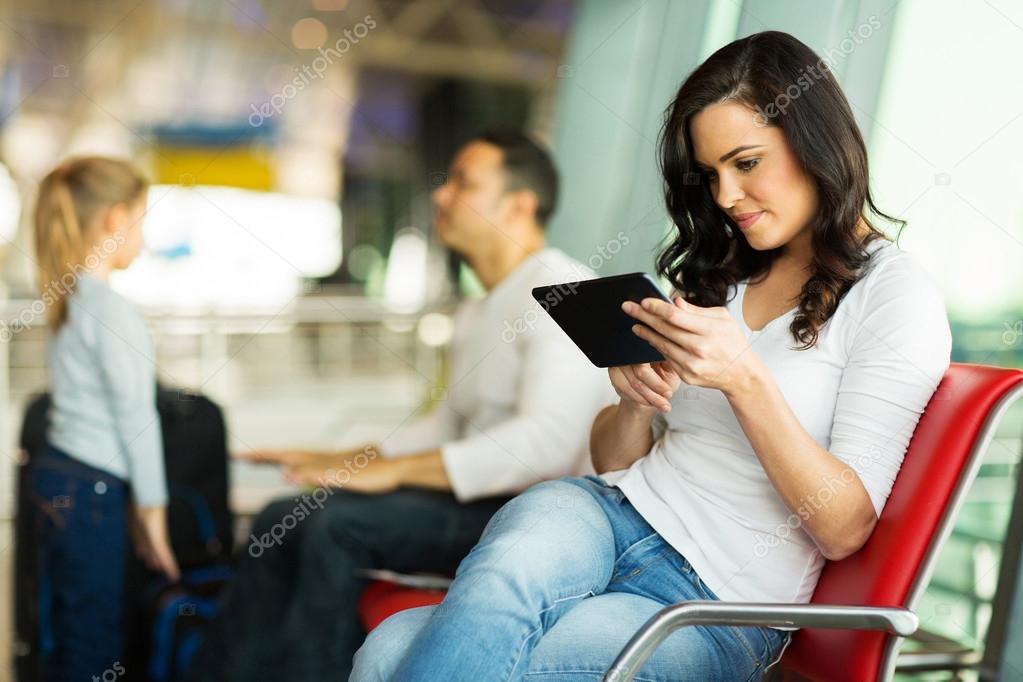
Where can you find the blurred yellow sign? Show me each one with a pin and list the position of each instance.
(245, 167)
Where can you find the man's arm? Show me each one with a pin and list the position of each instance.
(366, 470)
(423, 470)
(557, 396)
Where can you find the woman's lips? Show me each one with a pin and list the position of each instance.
(745, 220)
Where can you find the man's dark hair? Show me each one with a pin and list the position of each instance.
(527, 165)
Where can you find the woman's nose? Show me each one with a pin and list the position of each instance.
(729, 193)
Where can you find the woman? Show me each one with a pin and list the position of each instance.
(799, 356)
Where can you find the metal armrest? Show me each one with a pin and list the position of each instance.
(897, 621)
(417, 581)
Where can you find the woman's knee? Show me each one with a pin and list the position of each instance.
(553, 525)
(385, 646)
(557, 502)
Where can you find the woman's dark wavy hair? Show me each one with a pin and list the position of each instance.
(707, 256)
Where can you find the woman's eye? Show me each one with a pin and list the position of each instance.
(746, 165)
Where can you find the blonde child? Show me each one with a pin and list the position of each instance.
(101, 476)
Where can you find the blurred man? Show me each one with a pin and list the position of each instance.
(517, 410)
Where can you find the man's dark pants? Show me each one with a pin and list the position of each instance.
(290, 612)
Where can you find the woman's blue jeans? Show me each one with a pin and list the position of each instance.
(562, 577)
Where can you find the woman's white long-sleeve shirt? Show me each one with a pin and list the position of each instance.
(521, 397)
(859, 393)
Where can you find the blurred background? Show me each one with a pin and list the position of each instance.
(290, 271)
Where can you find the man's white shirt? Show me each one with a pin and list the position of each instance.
(521, 397)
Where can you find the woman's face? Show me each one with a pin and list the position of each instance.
(753, 172)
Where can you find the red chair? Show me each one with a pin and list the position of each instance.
(863, 605)
(383, 598)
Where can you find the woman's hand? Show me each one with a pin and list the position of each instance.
(704, 346)
(148, 527)
(647, 386)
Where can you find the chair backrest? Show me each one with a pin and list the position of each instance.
(893, 568)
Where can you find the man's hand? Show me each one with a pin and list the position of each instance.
(294, 458)
(284, 457)
(367, 471)
(377, 475)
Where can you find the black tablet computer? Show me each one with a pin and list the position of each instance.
(590, 312)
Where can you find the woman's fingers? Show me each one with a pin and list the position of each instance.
(667, 374)
(661, 344)
(682, 314)
(653, 380)
(650, 396)
(622, 385)
(642, 385)
(670, 322)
